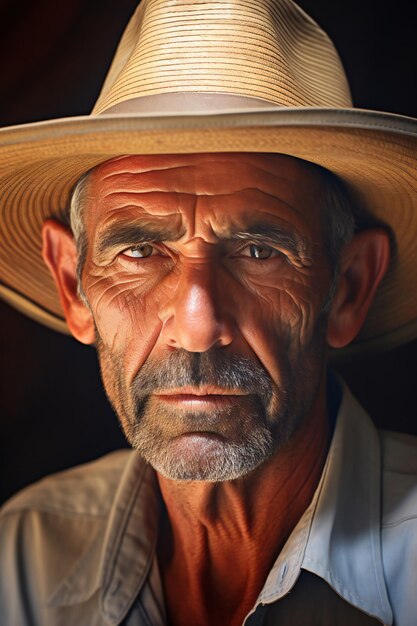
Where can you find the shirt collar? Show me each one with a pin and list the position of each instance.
(338, 538)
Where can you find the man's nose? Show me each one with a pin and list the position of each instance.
(196, 317)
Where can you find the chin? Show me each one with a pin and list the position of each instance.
(205, 456)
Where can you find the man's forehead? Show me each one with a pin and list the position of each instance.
(183, 172)
(221, 184)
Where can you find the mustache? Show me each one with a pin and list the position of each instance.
(184, 369)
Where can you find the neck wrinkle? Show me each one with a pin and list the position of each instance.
(282, 486)
(219, 541)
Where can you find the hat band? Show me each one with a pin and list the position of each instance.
(185, 103)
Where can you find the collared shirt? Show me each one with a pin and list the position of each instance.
(79, 547)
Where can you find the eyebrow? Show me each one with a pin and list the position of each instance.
(132, 234)
(272, 234)
(125, 235)
(276, 236)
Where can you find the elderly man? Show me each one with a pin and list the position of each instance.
(225, 220)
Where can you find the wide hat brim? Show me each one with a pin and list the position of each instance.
(374, 153)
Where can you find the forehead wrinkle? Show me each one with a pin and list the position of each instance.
(155, 192)
(254, 195)
(143, 170)
(164, 162)
(299, 195)
(138, 163)
(278, 166)
(144, 204)
(255, 211)
(188, 206)
(293, 168)
(194, 179)
(274, 197)
(169, 179)
(148, 220)
(230, 214)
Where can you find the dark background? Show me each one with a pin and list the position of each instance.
(54, 57)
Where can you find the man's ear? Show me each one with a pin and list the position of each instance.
(60, 255)
(364, 262)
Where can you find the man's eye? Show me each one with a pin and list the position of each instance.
(142, 251)
(257, 251)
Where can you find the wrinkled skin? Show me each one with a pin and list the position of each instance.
(202, 292)
(207, 350)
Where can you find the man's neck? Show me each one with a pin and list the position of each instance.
(219, 540)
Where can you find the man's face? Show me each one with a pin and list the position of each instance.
(206, 276)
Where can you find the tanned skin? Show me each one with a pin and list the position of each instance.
(202, 289)
(221, 540)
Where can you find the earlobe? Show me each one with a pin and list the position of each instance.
(364, 262)
(60, 255)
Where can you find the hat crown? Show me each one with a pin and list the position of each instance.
(266, 51)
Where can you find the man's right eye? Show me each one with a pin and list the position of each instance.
(142, 251)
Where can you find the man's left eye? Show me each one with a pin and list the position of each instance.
(258, 251)
(142, 251)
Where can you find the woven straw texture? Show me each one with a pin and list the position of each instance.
(255, 48)
(263, 51)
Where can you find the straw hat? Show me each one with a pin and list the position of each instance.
(195, 76)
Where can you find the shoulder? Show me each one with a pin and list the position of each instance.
(87, 489)
(399, 522)
(399, 477)
(399, 451)
(51, 529)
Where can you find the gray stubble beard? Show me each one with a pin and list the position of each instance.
(221, 460)
(264, 427)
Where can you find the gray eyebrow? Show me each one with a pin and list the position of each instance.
(276, 236)
(265, 234)
(131, 234)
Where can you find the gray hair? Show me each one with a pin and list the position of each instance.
(342, 218)
(78, 201)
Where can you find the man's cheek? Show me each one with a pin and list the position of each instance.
(126, 315)
(284, 303)
(278, 326)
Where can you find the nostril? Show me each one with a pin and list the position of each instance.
(196, 335)
(195, 318)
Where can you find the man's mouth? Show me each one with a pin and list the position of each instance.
(199, 396)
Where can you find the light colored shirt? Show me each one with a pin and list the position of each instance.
(78, 548)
